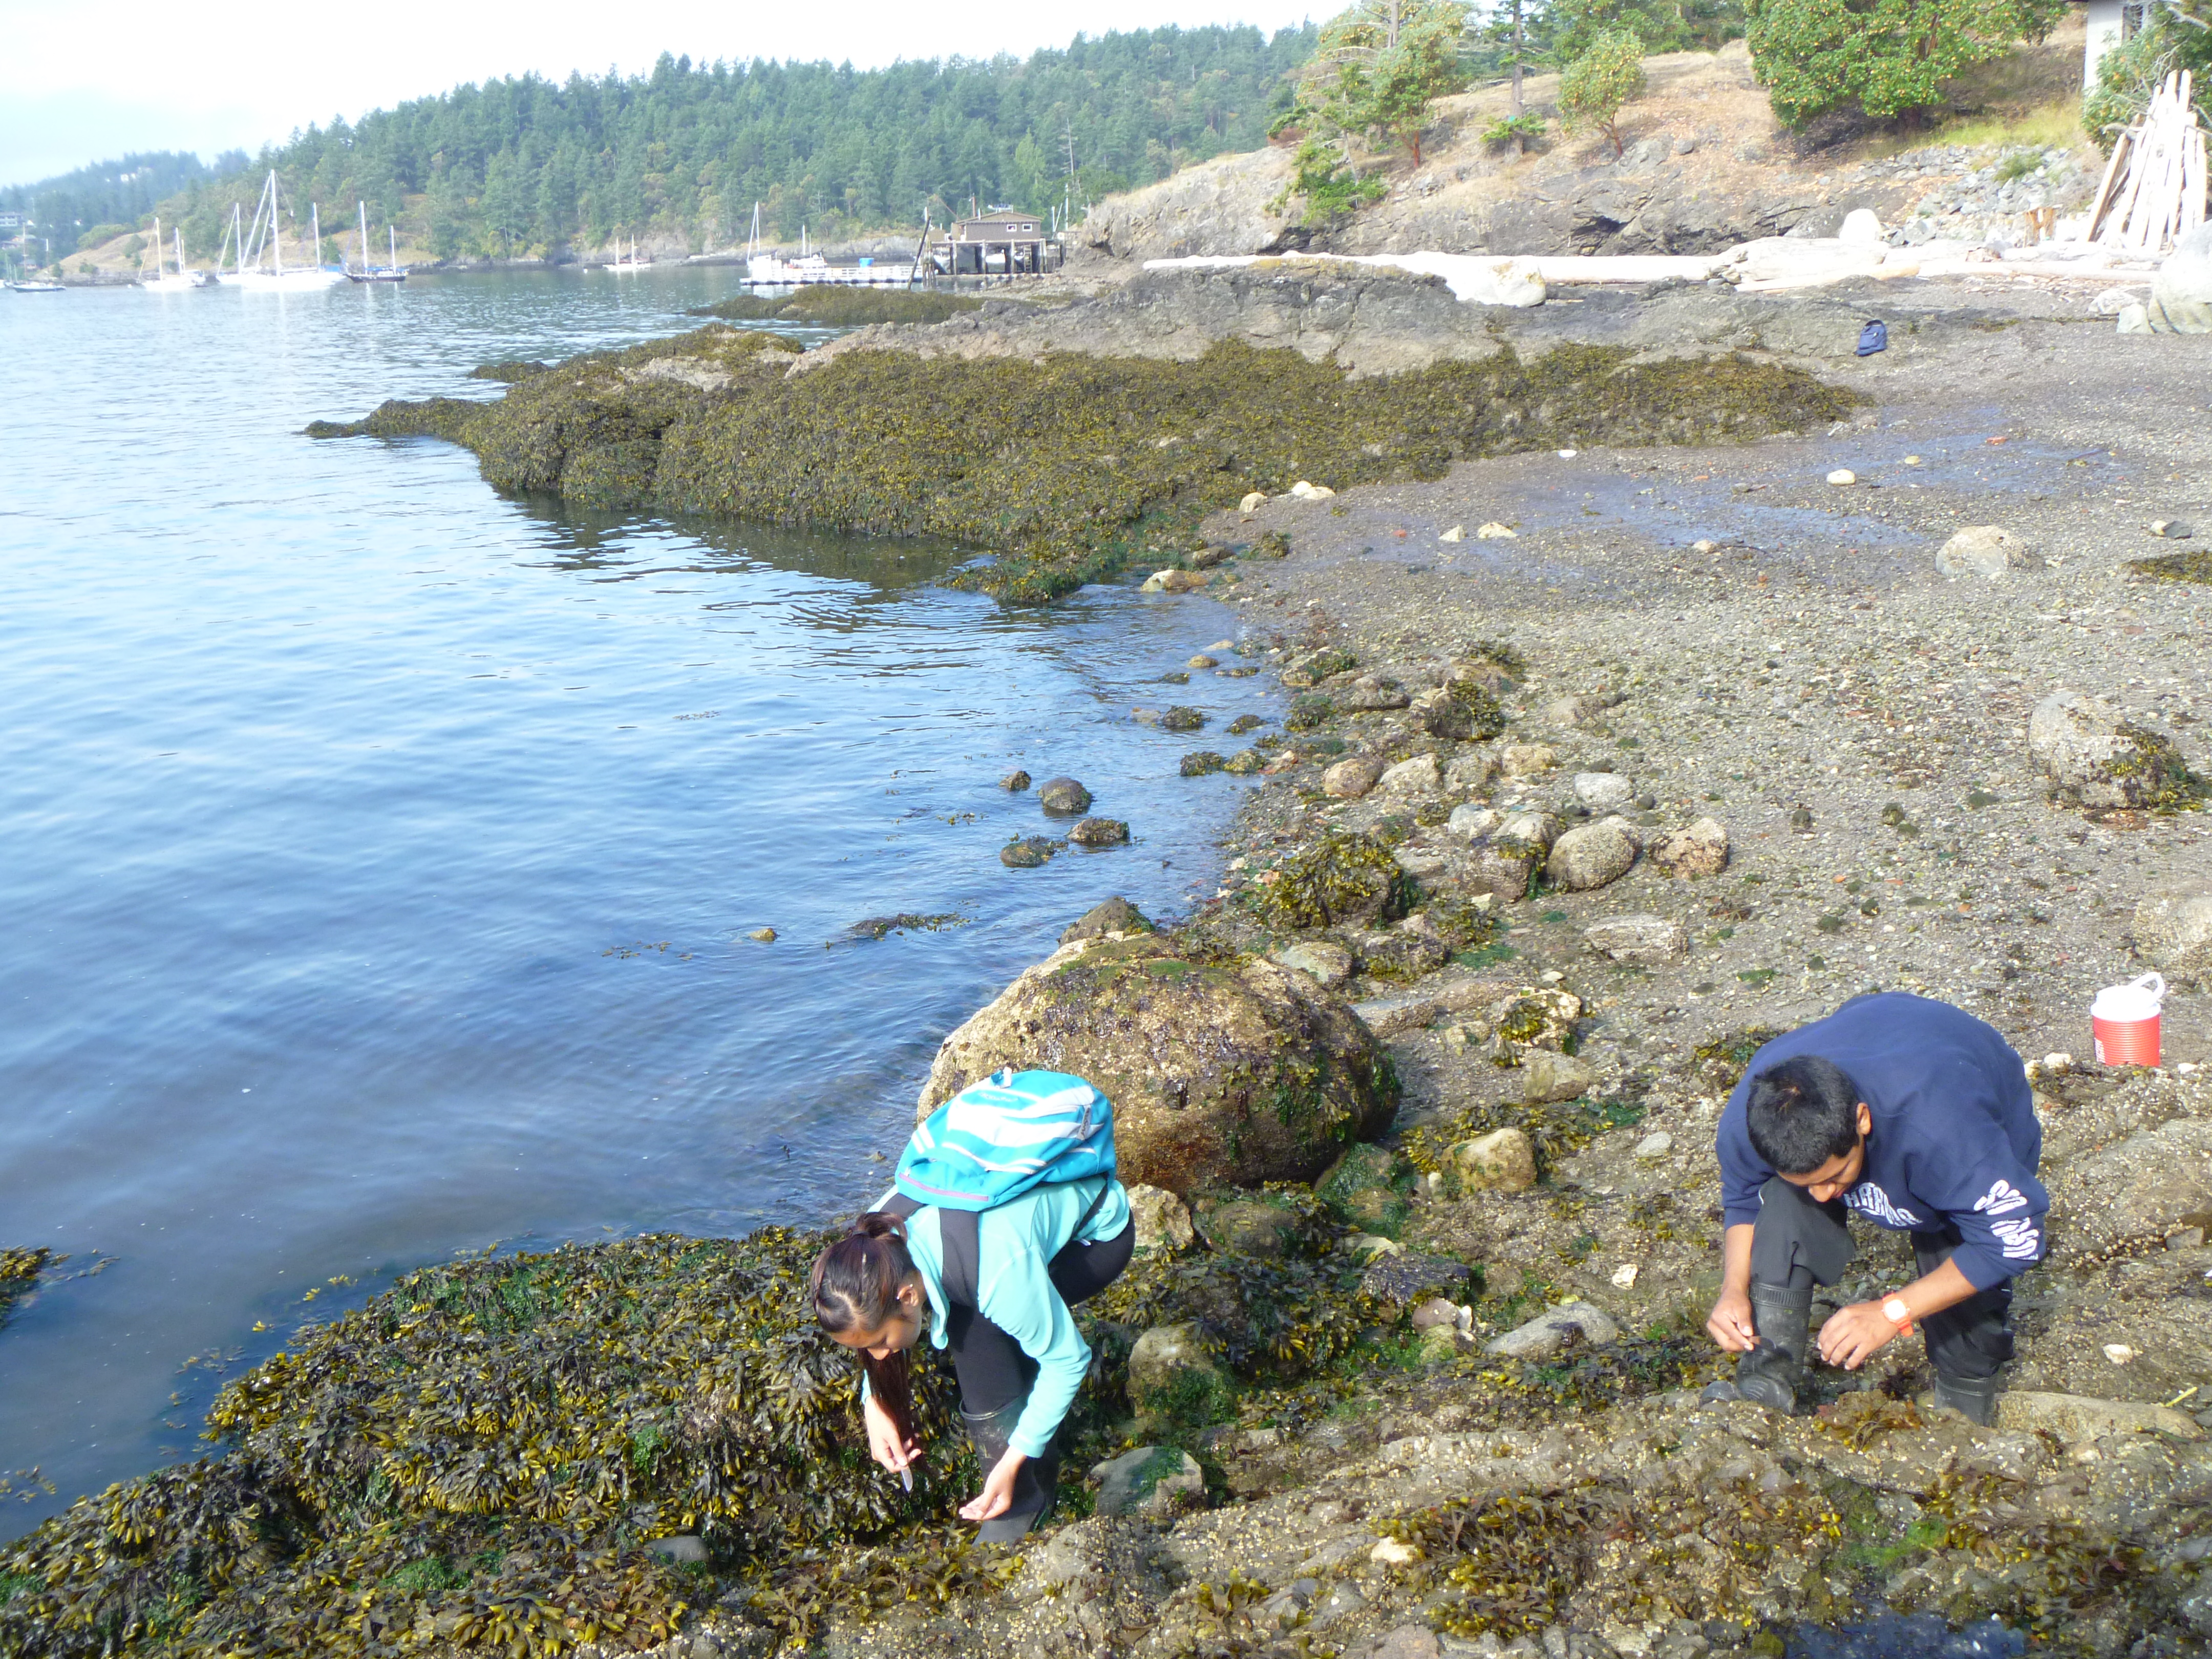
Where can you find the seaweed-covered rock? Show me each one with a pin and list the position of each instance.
(1064, 797)
(1182, 718)
(1500, 1162)
(1168, 1366)
(19, 1271)
(1523, 1023)
(1150, 1481)
(1027, 853)
(1331, 965)
(1340, 880)
(1113, 916)
(2095, 756)
(1162, 1220)
(1099, 832)
(1221, 1074)
(1250, 1227)
(1395, 1283)
(1203, 764)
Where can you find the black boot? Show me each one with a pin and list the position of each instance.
(1034, 1487)
(1772, 1373)
(1975, 1397)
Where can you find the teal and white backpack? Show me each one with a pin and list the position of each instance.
(997, 1139)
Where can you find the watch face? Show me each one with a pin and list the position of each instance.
(1895, 1312)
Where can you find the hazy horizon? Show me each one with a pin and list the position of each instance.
(92, 81)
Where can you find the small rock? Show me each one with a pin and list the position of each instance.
(1253, 502)
(1402, 1280)
(1310, 492)
(1099, 832)
(1064, 796)
(2178, 530)
(1162, 1219)
(1015, 781)
(1592, 855)
(1577, 1324)
(1861, 227)
(763, 935)
(682, 1548)
(1456, 533)
(1604, 792)
(1704, 545)
(1985, 550)
(1181, 718)
(1467, 773)
(1202, 660)
(1183, 581)
(1330, 964)
(1624, 1276)
(1655, 1147)
(1842, 476)
(1249, 1228)
(1525, 760)
(1396, 1552)
(1495, 531)
(1418, 775)
(1027, 853)
(1203, 763)
(1390, 1016)
(1499, 1162)
(1645, 940)
(1438, 1312)
(1370, 1247)
(2173, 932)
(1113, 915)
(1349, 779)
(1546, 1077)
(2118, 1352)
(1370, 695)
(1472, 823)
(1149, 1480)
(1700, 850)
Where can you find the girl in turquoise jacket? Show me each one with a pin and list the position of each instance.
(994, 1287)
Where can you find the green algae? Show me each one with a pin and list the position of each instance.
(836, 305)
(19, 1271)
(1066, 468)
(2175, 567)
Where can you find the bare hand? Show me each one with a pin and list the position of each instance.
(998, 1494)
(1730, 1325)
(884, 1444)
(1855, 1335)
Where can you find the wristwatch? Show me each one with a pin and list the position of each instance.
(1899, 1314)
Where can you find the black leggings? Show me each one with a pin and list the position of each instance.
(993, 1369)
(1800, 1243)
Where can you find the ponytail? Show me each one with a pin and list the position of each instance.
(854, 1287)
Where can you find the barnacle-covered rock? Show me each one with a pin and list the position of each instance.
(1221, 1074)
(2094, 755)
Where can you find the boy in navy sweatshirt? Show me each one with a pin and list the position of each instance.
(1920, 1117)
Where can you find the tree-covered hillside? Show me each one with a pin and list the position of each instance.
(109, 194)
(523, 166)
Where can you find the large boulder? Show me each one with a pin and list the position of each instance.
(2093, 754)
(2173, 931)
(1219, 1075)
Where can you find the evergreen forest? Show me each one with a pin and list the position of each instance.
(524, 165)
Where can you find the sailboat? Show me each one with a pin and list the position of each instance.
(630, 266)
(266, 239)
(36, 284)
(163, 281)
(393, 272)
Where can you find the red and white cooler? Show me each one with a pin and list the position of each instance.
(2123, 1022)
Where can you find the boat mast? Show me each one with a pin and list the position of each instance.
(315, 259)
(393, 236)
(157, 248)
(364, 206)
(275, 223)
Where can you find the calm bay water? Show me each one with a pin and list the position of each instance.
(377, 854)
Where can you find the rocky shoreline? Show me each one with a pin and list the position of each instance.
(1599, 762)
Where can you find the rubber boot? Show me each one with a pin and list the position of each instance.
(1034, 1487)
(1770, 1373)
(1975, 1397)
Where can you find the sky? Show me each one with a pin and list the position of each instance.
(87, 80)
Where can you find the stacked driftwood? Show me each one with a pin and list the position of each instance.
(2153, 192)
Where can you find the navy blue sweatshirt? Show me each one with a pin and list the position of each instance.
(1954, 1134)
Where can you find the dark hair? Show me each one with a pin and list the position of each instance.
(1800, 1113)
(854, 1287)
